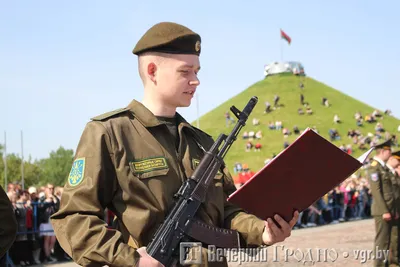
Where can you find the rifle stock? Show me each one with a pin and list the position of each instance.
(165, 244)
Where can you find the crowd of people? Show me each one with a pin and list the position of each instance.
(35, 242)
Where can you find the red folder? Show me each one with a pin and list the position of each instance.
(302, 173)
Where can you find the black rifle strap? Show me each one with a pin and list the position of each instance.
(211, 235)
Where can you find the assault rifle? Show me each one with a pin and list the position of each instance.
(165, 245)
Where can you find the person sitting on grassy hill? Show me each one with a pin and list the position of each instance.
(276, 101)
(267, 107)
(325, 102)
(394, 140)
(296, 130)
(249, 146)
(351, 133)
(285, 132)
(359, 122)
(309, 110)
(257, 147)
(271, 125)
(379, 127)
(376, 114)
(336, 119)
(237, 167)
(342, 147)
(349, 149)
(302, 100)
(259, 134)
(358, 115)
(285, 144)
(252, 134)
(228, 119)
(300, 111)
(334, 135)
(278, 125)
(369, 118)
(256, 121)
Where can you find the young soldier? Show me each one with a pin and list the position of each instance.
(383, 207)
(8, 224)
(133, 160)
(392, 164)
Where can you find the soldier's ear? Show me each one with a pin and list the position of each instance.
(151, 72)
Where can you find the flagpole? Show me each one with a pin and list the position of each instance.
(5, 161)
(22, 162)
(281, 50)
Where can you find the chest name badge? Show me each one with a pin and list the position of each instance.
(149, 164)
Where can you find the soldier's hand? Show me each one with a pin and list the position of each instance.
(146, 260)
(273, 234)
(387, 216)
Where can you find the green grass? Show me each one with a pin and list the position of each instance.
(287, 87)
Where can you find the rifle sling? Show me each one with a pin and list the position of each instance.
(211, 235)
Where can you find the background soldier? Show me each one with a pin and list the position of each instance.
(393, 163)
(383, 207)
(8, 225)
(133, 160)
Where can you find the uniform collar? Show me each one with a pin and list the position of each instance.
(147, 118)
(391, 169)
(380, 161)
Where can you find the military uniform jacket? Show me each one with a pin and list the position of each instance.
(382, 189)
(396, 186)
(127, 161)
(8, 223)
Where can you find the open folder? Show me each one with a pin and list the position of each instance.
(298, 176)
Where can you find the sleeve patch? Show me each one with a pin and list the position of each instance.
(77, 172)
(374, 177)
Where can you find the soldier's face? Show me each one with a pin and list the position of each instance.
(386, 154)
(396, 162)
(177, 80)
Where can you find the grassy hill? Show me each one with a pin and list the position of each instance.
(287, 87)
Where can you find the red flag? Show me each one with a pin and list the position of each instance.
(286, 37)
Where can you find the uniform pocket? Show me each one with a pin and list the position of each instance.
(149, 167)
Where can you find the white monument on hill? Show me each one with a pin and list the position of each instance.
(284, 67)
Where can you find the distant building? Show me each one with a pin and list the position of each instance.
(284, 67)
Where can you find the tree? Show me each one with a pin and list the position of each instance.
(56, 168)
(32, 172)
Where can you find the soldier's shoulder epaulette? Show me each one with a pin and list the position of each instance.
(201, 132)
(109, 114)
(374, 164)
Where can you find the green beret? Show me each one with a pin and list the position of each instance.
(171, 38)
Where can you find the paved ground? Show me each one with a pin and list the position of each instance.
(348, 242)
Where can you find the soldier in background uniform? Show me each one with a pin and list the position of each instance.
(392, 164)
(383, 207)
(8, 225)
(133, 160)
